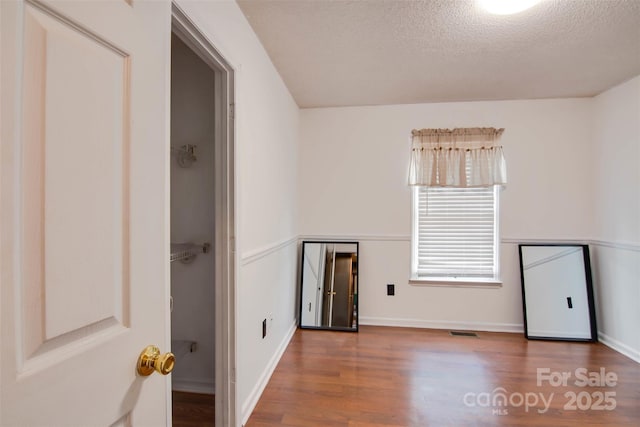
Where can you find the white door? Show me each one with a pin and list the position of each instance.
(84, 211)
(312, 283)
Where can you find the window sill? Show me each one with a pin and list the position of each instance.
(453, 282)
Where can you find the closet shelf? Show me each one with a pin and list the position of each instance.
(182, 347)
(187, 251)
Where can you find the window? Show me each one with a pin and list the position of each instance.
(455, 234)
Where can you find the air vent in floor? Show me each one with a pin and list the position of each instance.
(463, 334)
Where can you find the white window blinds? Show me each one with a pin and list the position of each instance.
(455, 232)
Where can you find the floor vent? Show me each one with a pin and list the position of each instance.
(463, 334)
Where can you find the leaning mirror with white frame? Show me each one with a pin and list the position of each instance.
(329, 286)
(557, 292)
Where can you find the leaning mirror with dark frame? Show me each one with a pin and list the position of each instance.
(557, 292)
(329, 286)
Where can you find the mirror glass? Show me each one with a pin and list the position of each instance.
(329, 287)
(557, 293)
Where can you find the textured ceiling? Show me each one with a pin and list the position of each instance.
(371, 52)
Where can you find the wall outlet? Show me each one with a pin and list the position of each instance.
(264, 328)
(391, 289)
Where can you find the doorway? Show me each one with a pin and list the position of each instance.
(192, 231)
(202, 228)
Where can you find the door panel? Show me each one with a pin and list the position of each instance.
(84, 202)
(75, 197)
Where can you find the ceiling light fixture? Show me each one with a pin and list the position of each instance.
(506, 7)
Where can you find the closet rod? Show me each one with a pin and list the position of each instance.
(187, 251)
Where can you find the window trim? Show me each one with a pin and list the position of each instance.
(465, 281)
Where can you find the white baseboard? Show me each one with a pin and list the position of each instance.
(443, 324)
(251, 402)
(620, 347)
(193, 386)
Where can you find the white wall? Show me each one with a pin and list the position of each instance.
(192, 211)
(266, 156)
(352, 181)
(616, 205)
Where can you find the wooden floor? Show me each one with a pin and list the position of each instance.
(420, 377)
(193, 409)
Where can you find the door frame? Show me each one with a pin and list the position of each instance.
(225, 231)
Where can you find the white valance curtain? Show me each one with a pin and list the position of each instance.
(462, 157)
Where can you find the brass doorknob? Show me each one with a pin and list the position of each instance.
(152, 360)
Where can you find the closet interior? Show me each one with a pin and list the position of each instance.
(192, 235)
